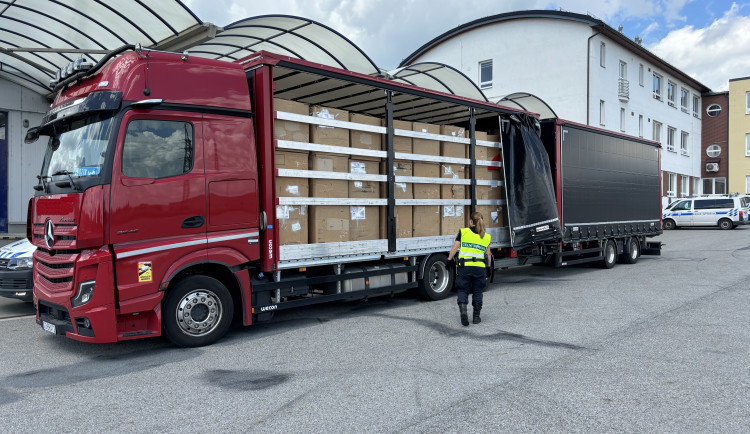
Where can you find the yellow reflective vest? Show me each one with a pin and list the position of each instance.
(473, 250)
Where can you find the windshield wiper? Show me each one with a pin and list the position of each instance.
(42, 179)
(70, 183)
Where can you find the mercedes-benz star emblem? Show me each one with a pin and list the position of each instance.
(49, 233)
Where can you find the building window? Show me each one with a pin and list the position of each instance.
(713, 110)
(657, 132)
(696, 105)
(713, 151)
(684, 97)
(670, 93)
(602, 54)
(640, 74)
(714, 185)
(485, 74)
(622, 119)
(747, 145)
(685, 186)
(657, 86)
(684, 143)
(747, 103)
(640, 125)
(747, 184)
(670, 138)
(601, 112)
(672, 190)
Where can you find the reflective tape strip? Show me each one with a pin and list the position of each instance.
(535, 224)
(473, 255)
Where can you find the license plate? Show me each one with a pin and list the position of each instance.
(49, 327)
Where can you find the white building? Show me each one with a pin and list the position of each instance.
(587, 72)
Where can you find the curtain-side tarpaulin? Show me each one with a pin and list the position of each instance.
(532, 209)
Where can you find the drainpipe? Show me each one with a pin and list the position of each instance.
(588, 77)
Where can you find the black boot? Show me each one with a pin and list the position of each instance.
(464, 314)
(476, 319)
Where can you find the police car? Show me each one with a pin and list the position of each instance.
(16, 274)
(726, 212)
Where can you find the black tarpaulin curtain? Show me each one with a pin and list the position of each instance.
(532, 209)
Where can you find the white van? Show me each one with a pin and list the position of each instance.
(725, 212)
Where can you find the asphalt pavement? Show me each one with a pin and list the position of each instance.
(659, 346)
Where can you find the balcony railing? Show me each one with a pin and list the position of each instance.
(623, 89)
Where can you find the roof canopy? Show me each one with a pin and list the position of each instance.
(289, 36)
(38, 37)
(528, 102)
(440, 77)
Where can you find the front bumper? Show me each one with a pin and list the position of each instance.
(18, 284)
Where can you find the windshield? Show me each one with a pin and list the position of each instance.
(78, 148)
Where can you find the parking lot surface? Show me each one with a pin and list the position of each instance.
(659, 346)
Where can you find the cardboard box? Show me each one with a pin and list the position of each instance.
(404, 219)
(363, 139)
(425, 146)
(426, 221)
(329, 187)
(452, 191)
(492, 215)
(451, 149)
(292, 221)
(489, 154)
(298, 160)
(292, 187)
(401, 143)
(364, 223)
(403, 190)
(326, 135)
(490, 192)
(329, 224)
(452, 219)
(290, 130)
(426, 170)
(364, 189)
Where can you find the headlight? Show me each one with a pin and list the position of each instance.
(84, 294)
(20, 263)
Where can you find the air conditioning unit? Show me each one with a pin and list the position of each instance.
(712, 167)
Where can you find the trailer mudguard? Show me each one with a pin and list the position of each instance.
(532, 209)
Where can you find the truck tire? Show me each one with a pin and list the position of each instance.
(437, 281)
(610, 254)
(197, 311)
(669, 225)
(725, 224)
(632, 251)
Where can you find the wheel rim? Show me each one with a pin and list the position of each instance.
(199, 312)
(438, 277)
(725, 224)
(633, 250)
(610, 253)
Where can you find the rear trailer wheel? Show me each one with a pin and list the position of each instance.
(669, 225)
(632, 251)
(725, 224)
(197, 311)
(610, 254)
(437, 281)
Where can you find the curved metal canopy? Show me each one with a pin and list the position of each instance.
(291, 36)
(528, 102)
(440, 77)
(38, 37)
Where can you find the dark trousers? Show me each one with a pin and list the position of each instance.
(471, 280)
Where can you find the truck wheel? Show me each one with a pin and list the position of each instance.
(610, 254)
(725, 224)
(197, 311)
(437, 281)
(632, 251)
(669, 225)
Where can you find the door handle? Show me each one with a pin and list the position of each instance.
(195, 221)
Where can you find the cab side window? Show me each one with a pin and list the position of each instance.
(157, 149)
(682, 206)
(705, 204)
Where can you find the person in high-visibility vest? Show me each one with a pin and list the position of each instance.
(472, 245)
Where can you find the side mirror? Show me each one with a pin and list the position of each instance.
(32, 135)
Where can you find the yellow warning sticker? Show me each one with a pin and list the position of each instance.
(144, 272)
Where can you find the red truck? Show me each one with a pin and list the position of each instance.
(179, 194)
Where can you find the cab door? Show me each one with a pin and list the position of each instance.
(158, 197)
(704, 213)
(682, 213)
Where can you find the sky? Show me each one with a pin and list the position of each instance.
(706, 39)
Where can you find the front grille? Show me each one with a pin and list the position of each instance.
(56, 279)
(15, 284)
(59, 251)
(56, 266)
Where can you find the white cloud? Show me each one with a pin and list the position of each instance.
(712, 55)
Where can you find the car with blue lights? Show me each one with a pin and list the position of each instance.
(16, 273)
